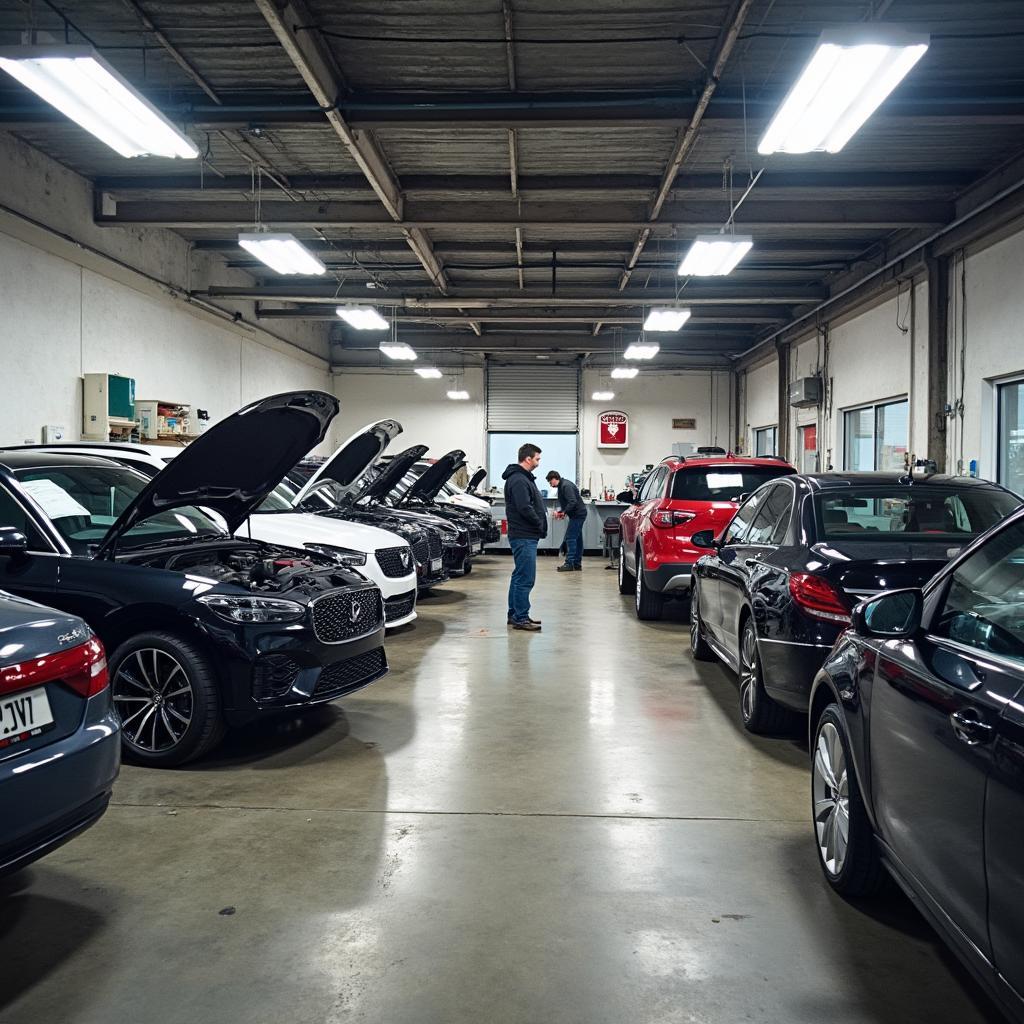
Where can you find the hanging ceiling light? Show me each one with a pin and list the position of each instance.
(624, 372)
(641, 350)
(362, 318)
(602, 396)
(281, 252)
(715, 255)
(850, 74)
(84, 87)
(666, 319)
(397, 350)
(459, 396)
(429, 372)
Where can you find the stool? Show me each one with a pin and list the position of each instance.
(611, 541)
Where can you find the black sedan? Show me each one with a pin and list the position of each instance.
(59, 744)
(917, 741)
(205, 630)
(778, 588)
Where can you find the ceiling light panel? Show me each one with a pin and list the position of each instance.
(363, 318)
(602, 396)
(624, 372)
(428, 372)
(715, 255)
(397, 350)
(459, 396)
(666, 319)
(640, 350)
(283, 253)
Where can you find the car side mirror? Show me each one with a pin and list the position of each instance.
(894, 615)
(705, 539)
(626, 497)
(13, 543)
(742, 498)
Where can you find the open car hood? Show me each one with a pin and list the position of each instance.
(476, 480)
(347, 465)
(236, 463)
(391, 474)
(433, 478)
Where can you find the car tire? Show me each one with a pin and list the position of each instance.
(853, 869)
(176, 678)
(760, 714)
(467, 566)
(699, 647)
(626, 584)
(649, 603)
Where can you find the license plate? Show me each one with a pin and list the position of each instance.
(25, 713)
(435, 564)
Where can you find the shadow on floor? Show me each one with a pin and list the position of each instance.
(439, 597)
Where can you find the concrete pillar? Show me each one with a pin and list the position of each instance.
(938, 349)
(782, 348)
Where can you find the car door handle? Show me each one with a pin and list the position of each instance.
(969, 728)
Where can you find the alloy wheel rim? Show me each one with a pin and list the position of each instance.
(154, 698)
(639, 580)
(748, 675)
(622, 566)
(694, 628)
(831, 794)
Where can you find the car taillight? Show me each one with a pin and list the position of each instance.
(818, 597)
(82, 669)
(666, 518)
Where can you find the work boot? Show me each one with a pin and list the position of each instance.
(529, 625)
(512, 621)
(564, 568)
(577, 568)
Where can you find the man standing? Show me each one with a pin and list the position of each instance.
(527, 523)
(571, 505)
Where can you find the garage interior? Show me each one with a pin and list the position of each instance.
(571, 825)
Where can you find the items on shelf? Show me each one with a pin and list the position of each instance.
(164, 421)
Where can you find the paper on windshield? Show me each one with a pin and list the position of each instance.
(718, 480)
(54, 500)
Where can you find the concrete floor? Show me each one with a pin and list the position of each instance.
(563, 827)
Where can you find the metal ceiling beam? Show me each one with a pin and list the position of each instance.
(684, 142)
(315, 62)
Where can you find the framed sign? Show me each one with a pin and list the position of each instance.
(684, 424)
(613, 429)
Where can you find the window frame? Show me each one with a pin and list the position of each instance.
(759, 432)
(998, 386)
(756, 497)
(875, 407)
(52, 538)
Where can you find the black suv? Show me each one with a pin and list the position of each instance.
(205, 630)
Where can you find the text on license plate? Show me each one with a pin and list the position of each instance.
(23, 713)
(435, 565)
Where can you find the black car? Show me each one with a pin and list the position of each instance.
(917, 743)
(802, 551)
(59, 744)
(205, 630)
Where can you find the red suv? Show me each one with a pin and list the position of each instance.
(680, 497)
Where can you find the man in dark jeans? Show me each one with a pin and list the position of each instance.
(527, 520)
(570, 505)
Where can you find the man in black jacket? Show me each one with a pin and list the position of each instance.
(571, 505)
(527, 520)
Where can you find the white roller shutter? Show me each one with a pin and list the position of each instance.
(541, 398)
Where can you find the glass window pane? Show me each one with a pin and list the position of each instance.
(765, 440)
(891, 436)
(1011, 436)
(743, 518)
(722, 483)
(860, 439)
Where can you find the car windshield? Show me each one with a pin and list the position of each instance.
(722, 483)
(910, 512)
(280, 499)
(83, 502)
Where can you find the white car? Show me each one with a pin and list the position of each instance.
(381, 556)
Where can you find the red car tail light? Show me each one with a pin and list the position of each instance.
(666, 518)
(818, 597)
(82, 669)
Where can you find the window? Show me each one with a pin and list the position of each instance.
(557, 451)
(1011, 435)
(745, 515)
(12, 514)
(773, 518)
(765, 440)
(984, 607)
(930, 512)
(654, 485)
(876, 437)
(722, 483)
(809, 448)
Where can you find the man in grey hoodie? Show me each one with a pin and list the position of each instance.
(527, 520)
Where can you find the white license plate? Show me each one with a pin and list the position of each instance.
(23, 713)
(435, 564)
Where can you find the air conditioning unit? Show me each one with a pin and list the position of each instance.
(805, 392)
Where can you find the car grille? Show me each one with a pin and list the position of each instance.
(396, 608)
(434, 541)
(463, 537)
(390, 561)
(421, 550)
(347, 614)
(273, 676)
(346, 676)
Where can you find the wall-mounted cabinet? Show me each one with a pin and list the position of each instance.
(108, 407)
(165, 422)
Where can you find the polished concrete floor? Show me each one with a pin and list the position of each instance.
(569, 826)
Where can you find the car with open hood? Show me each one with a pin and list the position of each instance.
(205, 630)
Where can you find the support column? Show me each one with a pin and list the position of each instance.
(782, 349)
(938, 358)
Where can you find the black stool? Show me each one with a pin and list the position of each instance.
(612, 539)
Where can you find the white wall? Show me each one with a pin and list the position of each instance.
(760, 404)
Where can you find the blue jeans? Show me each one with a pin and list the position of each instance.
(524, 552)
(574, 542)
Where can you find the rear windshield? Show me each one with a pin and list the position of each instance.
(907, 512)
(722, 483)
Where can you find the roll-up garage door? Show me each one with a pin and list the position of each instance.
(542, 398)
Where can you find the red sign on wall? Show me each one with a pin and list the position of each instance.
(613, 429)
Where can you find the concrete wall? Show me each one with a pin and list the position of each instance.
(760, 400)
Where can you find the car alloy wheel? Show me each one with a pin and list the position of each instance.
(830, 787)
(748, 675)
(153, 696)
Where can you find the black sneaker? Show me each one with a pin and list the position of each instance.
(535, 622)
(577, 568)
(529, 625)
(564, 568)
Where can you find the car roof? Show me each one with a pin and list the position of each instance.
(828, 481)
(674, 462)
(34, 459)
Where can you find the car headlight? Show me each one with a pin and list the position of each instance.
(346, 556)
(241, 608)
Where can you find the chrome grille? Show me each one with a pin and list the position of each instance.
(345, 615)
(391, 563)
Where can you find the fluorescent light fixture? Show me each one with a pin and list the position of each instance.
(666, 319)
(281, 252)
(850, 74)
(715, 255)
(639, 350)
(602, 396)
(84, 87)
(362, 318)
(624, 372)
(459, 396)
(428, 372)
(397, 350)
